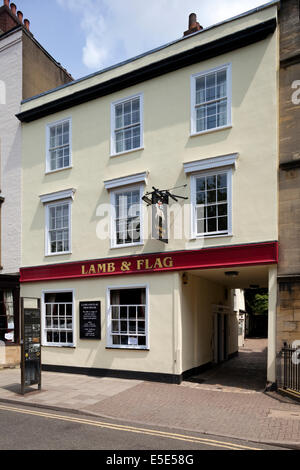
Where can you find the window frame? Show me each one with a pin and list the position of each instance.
(109, 344)
(113, 151)
(43, 319)
(204, 173)
(194, 77)
(48, 127)
(48, 206)
(113, 238)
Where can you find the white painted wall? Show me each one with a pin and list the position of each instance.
(10, 150)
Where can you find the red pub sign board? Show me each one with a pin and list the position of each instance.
(208, 258)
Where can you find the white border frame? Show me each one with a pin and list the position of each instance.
(51, 124)
(113, 237)
(108, 319)
(194, 176)
(43, 335)
(228, 68)
(211, 163)
(59, 195)
(126, 180)
(47, 241)
(113, 152)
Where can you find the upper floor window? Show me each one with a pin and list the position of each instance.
(211, 196)
(58, 228)
(58, 145)
(58, 221)
(127, 126)
(211, 100)
(126, 220)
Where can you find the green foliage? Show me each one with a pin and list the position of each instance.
(257, 301)
(260, 305)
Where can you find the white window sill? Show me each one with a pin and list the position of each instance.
(204, 237)
(209, 131)
(55, 345)
(127, 245)
(50, 172)
(140, 348)
(112, 155)
(49, 255)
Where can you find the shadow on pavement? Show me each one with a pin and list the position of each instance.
(246, 371)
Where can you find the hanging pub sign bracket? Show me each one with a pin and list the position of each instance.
(163, 195)
(159, 200)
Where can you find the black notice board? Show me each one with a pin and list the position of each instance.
(90, 320)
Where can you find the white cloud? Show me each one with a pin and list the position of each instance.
(116, 30)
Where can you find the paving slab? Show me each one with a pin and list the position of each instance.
(208, 404)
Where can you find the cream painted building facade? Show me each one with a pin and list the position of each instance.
(200, 115)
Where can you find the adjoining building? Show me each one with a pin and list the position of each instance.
(288, 316)
(199, 114)
(25, 70)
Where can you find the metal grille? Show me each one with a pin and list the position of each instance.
(289, 372)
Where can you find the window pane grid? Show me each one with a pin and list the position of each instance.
(211, 208)
(59, 146)
(127, 220)
(211, 102)
(59, 323)
(127, 125)
(128, 325)
(59, 232)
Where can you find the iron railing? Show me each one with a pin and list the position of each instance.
(289, 371)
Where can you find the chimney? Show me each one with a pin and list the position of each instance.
(194, 26)
(6, 2)
(13, 8)
(27, 24)
(20, 16)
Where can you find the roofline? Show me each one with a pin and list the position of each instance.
(152, 51)
(220, 46)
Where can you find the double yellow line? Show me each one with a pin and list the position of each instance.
(119, 427)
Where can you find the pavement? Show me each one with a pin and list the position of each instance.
(227, 401)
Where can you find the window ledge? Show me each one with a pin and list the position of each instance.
(50, 172)
(126, 349)
(209, 131)
(58, 254)
(112, 155)
(129, 245)
(202, 237)
(58, 346)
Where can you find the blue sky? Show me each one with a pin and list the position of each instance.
(88, 35)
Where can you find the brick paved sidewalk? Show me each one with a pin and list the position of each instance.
(244, 414)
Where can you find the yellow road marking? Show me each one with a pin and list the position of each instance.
(120, 427)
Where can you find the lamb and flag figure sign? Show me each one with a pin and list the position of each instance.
(159, 201)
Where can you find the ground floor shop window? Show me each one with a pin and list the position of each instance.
(127, 318)
(7, 317)
(58, 319)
